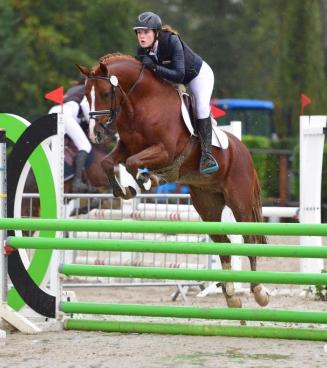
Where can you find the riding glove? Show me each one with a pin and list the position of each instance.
(149, 63)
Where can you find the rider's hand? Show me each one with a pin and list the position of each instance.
(148, 62)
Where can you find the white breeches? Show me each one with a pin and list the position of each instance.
(71, 124)
(202, 87)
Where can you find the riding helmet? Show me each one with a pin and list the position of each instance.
(148, 20)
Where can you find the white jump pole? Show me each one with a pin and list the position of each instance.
(311, 156)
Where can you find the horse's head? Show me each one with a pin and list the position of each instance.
(100, 90)
(108, 89)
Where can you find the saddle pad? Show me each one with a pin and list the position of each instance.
(219, 137)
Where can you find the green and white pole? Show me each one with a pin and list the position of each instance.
(40, 162)
(6, 312)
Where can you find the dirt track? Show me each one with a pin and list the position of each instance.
(96, 349)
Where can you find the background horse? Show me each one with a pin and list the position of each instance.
(94, 176)
(152, 134)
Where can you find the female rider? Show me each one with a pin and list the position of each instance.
(162, 51)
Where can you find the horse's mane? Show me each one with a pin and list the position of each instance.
(116, 56)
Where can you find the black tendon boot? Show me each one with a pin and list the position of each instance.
(78, 186)
(208, 163)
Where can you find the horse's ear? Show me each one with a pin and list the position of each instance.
(103, 68)
(84, 70)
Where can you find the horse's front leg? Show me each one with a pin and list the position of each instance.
(116, 156)
(154, 156)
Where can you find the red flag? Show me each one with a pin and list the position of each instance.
(57, 95)
(305, 100)
(216, 112)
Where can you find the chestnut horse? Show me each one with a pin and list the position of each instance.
(147, 113)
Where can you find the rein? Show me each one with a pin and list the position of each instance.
(113, 112)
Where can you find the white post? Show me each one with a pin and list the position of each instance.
(57, 165)
(311, 155)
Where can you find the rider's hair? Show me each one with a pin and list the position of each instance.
(167, 28)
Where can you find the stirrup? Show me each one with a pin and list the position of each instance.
(212, 165)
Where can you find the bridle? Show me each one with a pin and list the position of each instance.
(113, 111)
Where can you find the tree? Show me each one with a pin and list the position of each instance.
(42, 41)
(301, 61)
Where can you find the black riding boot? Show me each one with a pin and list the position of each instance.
(78, 186)
(208, 163)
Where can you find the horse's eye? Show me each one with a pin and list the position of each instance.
(106, 94)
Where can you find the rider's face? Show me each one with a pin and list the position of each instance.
(145, 37)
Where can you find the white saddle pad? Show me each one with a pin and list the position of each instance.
(219, 137)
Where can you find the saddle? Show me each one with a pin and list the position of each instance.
(219, 137)
(189, 102)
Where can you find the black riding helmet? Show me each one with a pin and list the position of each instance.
(148, 20)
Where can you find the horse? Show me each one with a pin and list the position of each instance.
(146, 111)
(94, 176)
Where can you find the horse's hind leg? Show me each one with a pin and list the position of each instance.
(259, 291)
(210, 207)
(247, 208)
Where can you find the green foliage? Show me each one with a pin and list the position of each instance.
(43, 40)
(301, 62)
(260, 159)
(283, 149)
(257, 48)
(321, 290)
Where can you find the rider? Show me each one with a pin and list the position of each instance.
(75, 109)
(161, 50)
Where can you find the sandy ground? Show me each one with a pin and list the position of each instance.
(70, 349)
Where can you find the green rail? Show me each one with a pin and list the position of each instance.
(169, 247)
(197, 330)
(194, 274)
(166, 227)
(271, 315)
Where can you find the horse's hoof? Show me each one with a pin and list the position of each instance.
(130, 193)
(117, 193)
(233, 301)
(261, 295)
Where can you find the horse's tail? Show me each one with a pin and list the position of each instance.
(257, 208)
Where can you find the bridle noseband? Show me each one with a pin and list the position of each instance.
(113, 111)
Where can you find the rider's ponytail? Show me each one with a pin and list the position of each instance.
(167, 28)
